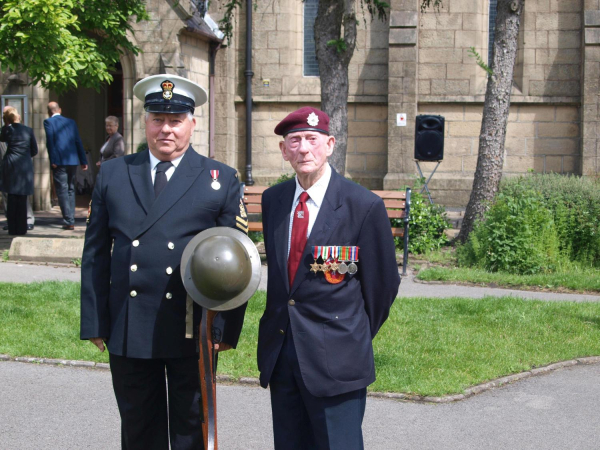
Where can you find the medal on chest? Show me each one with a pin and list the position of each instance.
(336, 262)
(215, 180)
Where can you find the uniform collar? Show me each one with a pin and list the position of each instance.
(154, 160)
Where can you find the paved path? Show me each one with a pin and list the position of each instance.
(25, 273)
(48, 407)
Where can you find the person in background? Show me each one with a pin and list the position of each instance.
(66, 153)
(30, 216)
(17, 169)
(115, 144)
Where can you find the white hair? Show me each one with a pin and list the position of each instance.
(189, 115)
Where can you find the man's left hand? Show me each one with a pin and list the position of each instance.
(222, 347)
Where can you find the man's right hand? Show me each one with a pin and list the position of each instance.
(54, 166)
(98, 342)
(84, 167)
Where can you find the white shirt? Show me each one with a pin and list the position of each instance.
(154, 162)
(316, 193)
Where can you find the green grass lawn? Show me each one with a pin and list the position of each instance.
(427, 347)
(581, 280)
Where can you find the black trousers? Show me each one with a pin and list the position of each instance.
(16, 214)
(64, 183)
(302, 421)
(151, 415)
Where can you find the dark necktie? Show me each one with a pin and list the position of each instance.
(298, 239)
(160, 179)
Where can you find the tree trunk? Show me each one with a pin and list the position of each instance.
(336, 19)
(495, 114)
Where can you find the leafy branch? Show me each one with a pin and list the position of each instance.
(473, 54)
(339, 44)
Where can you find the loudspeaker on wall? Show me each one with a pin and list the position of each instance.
(429, 138)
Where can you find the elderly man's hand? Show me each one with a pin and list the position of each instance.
(98, 342)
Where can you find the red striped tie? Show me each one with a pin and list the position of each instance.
(298, 240)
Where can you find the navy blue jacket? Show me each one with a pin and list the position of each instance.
(150, 234)
(63, 142)
(333, 325)
(17, 165)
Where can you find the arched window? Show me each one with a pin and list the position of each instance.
(311, 66)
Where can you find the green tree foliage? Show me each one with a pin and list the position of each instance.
(65, 44)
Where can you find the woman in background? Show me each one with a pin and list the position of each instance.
(17, 169)
(115, 144)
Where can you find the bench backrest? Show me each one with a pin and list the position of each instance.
(395, 201)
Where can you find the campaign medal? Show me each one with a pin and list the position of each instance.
(352, 267)
(331, 265)
(215, 183)
(343, 267)
(315, 267)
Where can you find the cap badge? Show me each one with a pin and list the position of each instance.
(167, 87)
(313, 119)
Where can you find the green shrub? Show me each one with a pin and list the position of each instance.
(426, 226)
(574, 203)
(517, 235)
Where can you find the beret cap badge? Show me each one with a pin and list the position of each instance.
(312, 119)
(167, 87)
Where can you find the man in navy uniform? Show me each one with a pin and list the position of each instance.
(146, 207)
(331, 282)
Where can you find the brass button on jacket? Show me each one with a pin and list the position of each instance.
(169, 271)
(133, 293)
(135, 243)
(169, 296)
(134, 267)
(291, 302)
(171, 246)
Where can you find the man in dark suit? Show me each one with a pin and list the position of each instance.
(324, 303)
(147, 207)
(66, 153)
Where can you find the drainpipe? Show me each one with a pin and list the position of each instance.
(214, 48)
(249, 74)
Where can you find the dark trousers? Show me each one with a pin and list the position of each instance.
(16, 214)
(64, 183)
(151, 415)
(302, 421)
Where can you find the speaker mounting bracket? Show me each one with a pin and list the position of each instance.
(425, 186)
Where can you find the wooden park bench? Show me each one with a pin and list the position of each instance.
(397, 204)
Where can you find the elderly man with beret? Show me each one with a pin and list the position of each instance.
(145, 209)
(332, 278)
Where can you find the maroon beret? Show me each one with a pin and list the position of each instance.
(304, 119)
